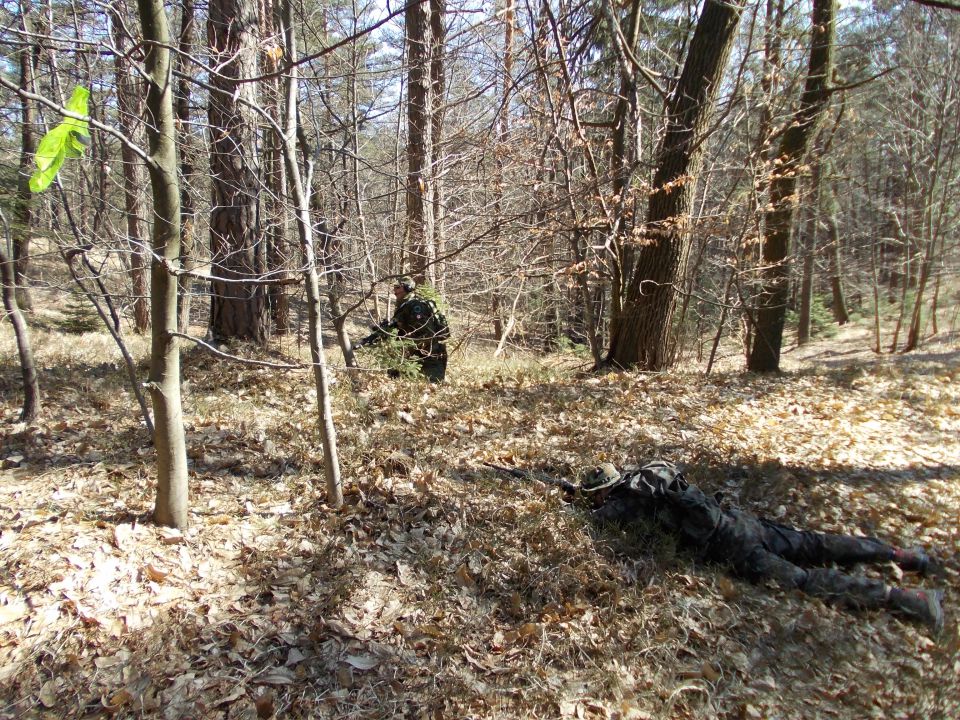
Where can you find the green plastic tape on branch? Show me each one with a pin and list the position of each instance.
(67, 140)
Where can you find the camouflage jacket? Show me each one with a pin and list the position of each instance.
(414, 320)
(659, 492)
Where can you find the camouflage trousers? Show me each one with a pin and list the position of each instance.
(433, 367)
(762, 550)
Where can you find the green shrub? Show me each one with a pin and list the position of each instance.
(822, 323)
(80, 317)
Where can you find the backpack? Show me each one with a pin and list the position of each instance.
(440, 326)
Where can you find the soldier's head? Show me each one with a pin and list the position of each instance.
(599, 481)
(403, 287)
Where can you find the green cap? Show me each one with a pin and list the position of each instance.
(407, 283)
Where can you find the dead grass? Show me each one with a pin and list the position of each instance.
(441, 590)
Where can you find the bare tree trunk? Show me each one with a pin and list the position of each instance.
(28, 368)
(276, 230)
(328, 434)
(164, 385)
(355, 167)
(643, 336)
(330, 252)
(935, 300)
(420, 220)
(511, 321)
(188, 260)
(765, 354)
(583, 285)
(438, 39)
(499, 150)
(128, 113)
(721, 322)
(926, 265)
(805, 301)
(23, 211)
(238, 310)
(623, 154)
(808, 253)
(840, 313)
(901, 277)
(875, 276)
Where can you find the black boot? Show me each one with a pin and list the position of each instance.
(912, 560)
(920, 605)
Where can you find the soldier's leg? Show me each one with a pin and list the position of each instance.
(758, 564)
(812, 548)
(842, 589)
(434, 368)
(861, 592)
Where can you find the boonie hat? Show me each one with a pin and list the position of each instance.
(602, 476)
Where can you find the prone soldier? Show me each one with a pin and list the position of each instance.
(759, 549)
(756, 549)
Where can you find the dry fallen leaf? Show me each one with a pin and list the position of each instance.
(362, 662)
(12, 612)
(48, 693)
(264, 705)
(156, 574)
(464, 578)
(277, 676)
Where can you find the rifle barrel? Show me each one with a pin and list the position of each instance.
(565, 485)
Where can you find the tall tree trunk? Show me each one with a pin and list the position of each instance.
(277, 226)
(438, 39)
(623, 154)
(643, 336)
(23, 210)
(808, 254)
(805, 299)
(765, 354)
(188, 260)
(916, 315)
(238, 308)
(164, 385)
(28, 368)
(328, 435)
(129, 89)
(420, 221)
(840, 313)
(499, 151)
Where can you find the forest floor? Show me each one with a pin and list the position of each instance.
(441, 589)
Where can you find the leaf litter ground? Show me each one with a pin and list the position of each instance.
(442, 590)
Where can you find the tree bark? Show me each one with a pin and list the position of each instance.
(23, 210)
(438, 39)
(420, 220)
(775, 275)
(237, 309)
(301, 197)
(623, 156)
(839, 304)
(642, 338)
(129, 89)
(164, 385)
(28, 368)
(186, 42)
(277, 225)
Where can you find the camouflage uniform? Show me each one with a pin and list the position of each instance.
(759, 549)
(414, 320)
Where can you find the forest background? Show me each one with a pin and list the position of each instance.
(621, 205)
